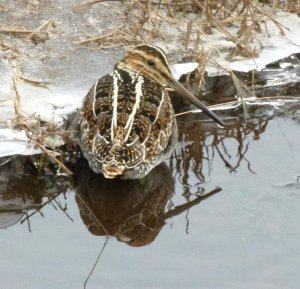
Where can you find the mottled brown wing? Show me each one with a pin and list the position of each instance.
(126, 120)
(95, 115)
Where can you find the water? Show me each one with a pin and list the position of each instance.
(221, 213)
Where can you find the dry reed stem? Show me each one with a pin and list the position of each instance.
(14, 30)
(47, 23)
(188, 33)
(50, 154)
(33, 129)
(7, 99)
(30, 128)
(17, 100)
(145, 21)
(35, 83)
(37, 33)
(8, 46)
(95, 39)
(85, 5)
(238, 102)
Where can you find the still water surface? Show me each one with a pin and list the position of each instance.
(222, 213)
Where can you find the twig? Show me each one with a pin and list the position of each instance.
(237, 102)
(7, 45)
(95, 264)
(7, 99)
(40, 207)
(86, 5)
(49, 154)
(14, 30)
(64, 211)
(188, 33)
(28, 222)
(16, 100)
(100, 225)
(97, 38)
(34, 82)
(48, 22)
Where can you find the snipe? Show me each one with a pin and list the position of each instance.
(127, 124)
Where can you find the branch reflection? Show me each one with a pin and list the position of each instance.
(26, 187)
(204, 143)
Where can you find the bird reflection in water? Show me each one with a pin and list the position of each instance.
(133, 211)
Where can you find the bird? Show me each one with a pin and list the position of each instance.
(126, 125)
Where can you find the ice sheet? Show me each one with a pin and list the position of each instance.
(13, 142)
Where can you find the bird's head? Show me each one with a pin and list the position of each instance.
(151, 62)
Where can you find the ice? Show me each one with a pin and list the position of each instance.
(273, 47)
(14, 142)
(180, 69)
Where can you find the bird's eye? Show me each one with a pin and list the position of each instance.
(150, 62)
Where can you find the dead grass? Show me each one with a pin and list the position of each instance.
(38, 35)
(149, 21)
(38, 131)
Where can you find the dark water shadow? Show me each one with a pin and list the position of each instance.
(133, 211)
(26, 188)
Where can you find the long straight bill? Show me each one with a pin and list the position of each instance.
(184, 92)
